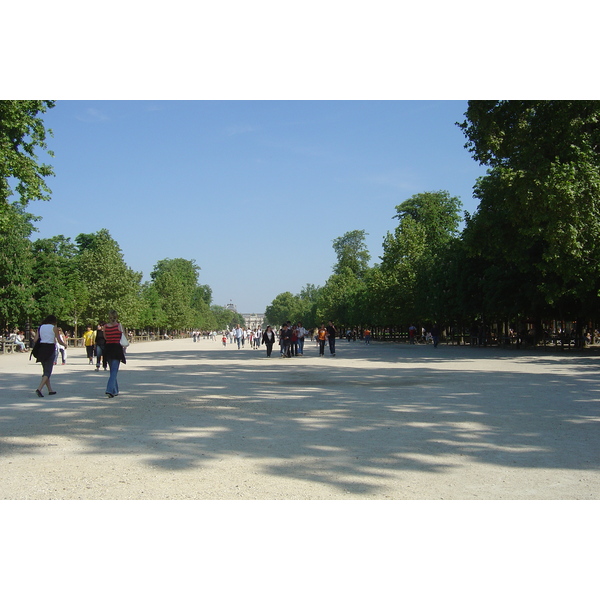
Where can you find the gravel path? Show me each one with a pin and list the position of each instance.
(197, 421)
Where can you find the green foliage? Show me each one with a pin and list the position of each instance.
(22, 132)
(152, 316)
(352, 253)
(110, 283)
(16, 265)
(285, 306)
(437, 212)
(225, 318)
(543, 190)
(53, 276)
(176, 281)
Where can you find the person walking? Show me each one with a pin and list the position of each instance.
(113, 351)
(238, 334)
(268, 339)
(258, 338)
(285, 339)
(44, 350)
(301, 333)
(322, 338)
(61, 349)
(88, 340)
(332, 332)
(367, 334)
(100, 343)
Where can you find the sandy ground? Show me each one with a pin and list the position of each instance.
(198, 421)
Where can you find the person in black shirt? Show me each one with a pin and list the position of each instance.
(100, 341)
(332, 331)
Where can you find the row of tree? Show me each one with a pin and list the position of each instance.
(528, 256)
(81, 281)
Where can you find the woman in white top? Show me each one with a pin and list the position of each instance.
(44, 350)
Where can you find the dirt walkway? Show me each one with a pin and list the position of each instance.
(197, 421)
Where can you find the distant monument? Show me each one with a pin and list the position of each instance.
(253, 320)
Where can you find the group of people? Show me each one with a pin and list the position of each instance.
(94, 342)
(105, 343)
(290, 337)
(432, 336)
(17, 338)
(240, 335)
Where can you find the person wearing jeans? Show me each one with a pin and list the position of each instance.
(301, 332)
(114, 353)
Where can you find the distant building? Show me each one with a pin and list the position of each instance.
(253, 320)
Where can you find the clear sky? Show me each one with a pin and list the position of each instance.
(254, 191)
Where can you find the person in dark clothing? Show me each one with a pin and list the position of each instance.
(268, 339)
(285, 338)
(44, 349)
(100, 342)
(332, 332)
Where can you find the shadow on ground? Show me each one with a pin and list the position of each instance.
(324, 421)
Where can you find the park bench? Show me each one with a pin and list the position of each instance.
(7, 346)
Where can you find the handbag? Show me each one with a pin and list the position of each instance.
(124, 340)
(35, 349)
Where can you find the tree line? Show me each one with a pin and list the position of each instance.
(527, 258)
(80, 281)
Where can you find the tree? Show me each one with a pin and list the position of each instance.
(340, 299)
(22, 132)
(16, 264)
(176, 281)
(53, 273)
(152, 315)
(352, 253)
(308, 298)
(402, 253)
(285, 306)
(437, 212)
(111, 284)
(225, 318)
(428, 223)
(544, 180)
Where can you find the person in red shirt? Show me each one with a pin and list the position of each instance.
(113, 351)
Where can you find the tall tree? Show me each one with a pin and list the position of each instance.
(544, 159)
(22, 132)
(428, 222)
(111, 284)
(403, 253)
(16, 265)
(285, 306)
(437, 212)
(176, 281)
(53, 273)
(226, 318)
(352, 253)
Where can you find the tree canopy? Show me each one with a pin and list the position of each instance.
(22, 133)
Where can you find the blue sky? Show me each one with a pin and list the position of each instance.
(254, 191)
